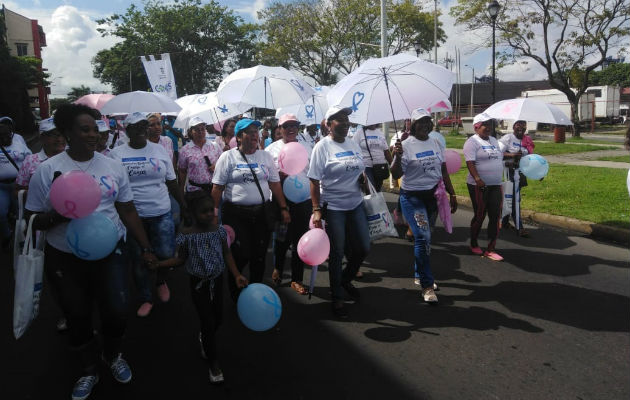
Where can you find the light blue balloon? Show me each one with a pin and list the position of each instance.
(93, 237)
(437, 135)
(259, 307)
(534, 166)
(297, 188)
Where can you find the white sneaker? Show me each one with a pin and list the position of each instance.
(429, 296)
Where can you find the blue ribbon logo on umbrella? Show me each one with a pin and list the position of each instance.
(297, 84)
(357, 98)
(202, 99)
(223, 109)
(309, 111)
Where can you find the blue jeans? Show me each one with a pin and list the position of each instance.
(161, 233)
(419, 209)
(351, 228)
(79, 284)
(6, 204)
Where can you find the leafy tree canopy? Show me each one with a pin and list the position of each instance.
(322, 38)
(76, 92)
(205, 41)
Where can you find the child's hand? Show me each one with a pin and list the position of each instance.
(241, 282)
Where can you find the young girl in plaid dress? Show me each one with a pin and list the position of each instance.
(203, 249)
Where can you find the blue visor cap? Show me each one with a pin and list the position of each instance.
(244, 123)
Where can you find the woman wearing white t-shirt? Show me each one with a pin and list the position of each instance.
(80, 283)
(376, 155)
(152, 179)
(245, 177)
(485, 173)
(334, 171)
(12, 154)
(300, 212)
(419, 159)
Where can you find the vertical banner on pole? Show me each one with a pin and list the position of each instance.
(160, 74)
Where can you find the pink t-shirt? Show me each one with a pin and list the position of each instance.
(191, 159)
(30, 164)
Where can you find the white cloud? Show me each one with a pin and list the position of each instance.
(250, 8)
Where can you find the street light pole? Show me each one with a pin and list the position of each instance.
(493, 10)
(435, 33)
(472, 90)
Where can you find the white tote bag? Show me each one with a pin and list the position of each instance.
(20, 230)
(28, 282)
(380, 221)
(508, 197)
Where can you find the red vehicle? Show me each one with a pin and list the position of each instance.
(451, 120)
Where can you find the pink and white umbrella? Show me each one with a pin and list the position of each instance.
(95, 100)
(527, 109)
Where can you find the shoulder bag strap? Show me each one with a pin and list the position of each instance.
(262, 196)
(367, 144)
(9, 157)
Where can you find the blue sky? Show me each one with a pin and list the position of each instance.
(72, 39)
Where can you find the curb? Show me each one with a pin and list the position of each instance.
(586, 228)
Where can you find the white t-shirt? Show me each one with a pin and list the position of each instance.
(235, 174)
(487, 157)
(421, 163)
(509, 143)
(149, 168)
(377, 142)
(18, 152)
(109, 174)
(337, 167)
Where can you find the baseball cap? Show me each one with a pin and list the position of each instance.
(287, 118)
(46, 125)
(419, 113)
(134, 118)
(194, 121)
(6, 120)
(334, 110)
(244, 123)
(102, 125)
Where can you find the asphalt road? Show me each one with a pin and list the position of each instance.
(550, 322)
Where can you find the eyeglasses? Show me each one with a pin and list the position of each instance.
(290, 126)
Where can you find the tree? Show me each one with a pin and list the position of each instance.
(569, 38)
(322, 38)
(55, 103)
(615, 75)
(76, 92)
(204, 41)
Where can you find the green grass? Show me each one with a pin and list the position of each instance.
(586, 193)
(542, 148)
(625, 159)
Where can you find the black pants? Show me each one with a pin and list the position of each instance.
(488, 201)
(250, 243)
(300, 216)
(79, 284)
(209, 306)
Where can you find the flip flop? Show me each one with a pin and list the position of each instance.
(299, 288)
(276, 277)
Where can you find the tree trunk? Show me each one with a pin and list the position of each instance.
(575, 116)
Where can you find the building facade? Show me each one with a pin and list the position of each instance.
(25, 37)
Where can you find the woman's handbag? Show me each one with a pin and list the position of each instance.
(28, 282)
(380, 221)
(380, 171)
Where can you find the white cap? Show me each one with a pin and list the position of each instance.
(419, 113)
(46, 125)
(102, 125)
(483, 117)
(134, 118)
(194, 121)
(332, 111)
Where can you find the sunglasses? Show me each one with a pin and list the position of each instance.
(289, 126)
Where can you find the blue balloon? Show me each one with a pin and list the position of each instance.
(297, 188)
(534, 166)
(437, 135)
(93, 237)
(259, 307)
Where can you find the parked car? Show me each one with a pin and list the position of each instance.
(450, 121)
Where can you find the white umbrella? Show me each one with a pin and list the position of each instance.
(263, 86)
(207, 107)
(309, 113)
(527, 109)
(390, 88)
(148, 102)
(186, 100)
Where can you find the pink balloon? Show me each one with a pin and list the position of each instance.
(75, 194)
(311, 226)
(292, 158)
(232, 143)
(231, 234)
(453, 161)
(314, 247)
